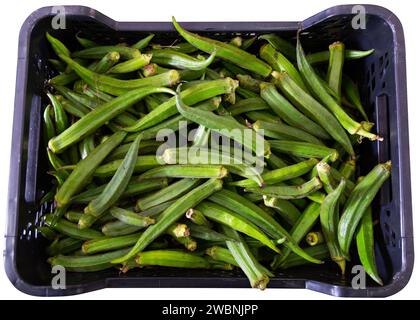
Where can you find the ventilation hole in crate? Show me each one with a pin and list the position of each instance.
(372, 69)
(381, 61)
(388, 213)
(386, 55)
(368, 76)
(373, 84)
(393, 235)
(386, 63)
(383, 85)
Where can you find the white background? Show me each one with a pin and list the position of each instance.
(14, 14)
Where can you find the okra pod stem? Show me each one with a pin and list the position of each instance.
(171, 258)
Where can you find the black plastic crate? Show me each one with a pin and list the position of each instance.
(382, 77)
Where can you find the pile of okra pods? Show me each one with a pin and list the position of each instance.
(201, 154)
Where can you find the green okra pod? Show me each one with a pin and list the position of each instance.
(221, 254)
(57, 45)
(248, 82)
(179, 60)
(85, 43)
(259, 217)
(134, 188)
(348, 169)
(306, 221)
(284, 132)
(143, 163)
(205, 233)
(247, 105)
(319, 251)
(73, 216)
(304, 149)
(109, 243)
(143, 43)
(226, 51)
(257, 275)
(49, 128)
(86, 146)
(145, 147)
(198, 218)
(235, 165)
(286, 209)
(131, 65)
(288, 192)
(335, 67)
(107, 62)
(365, 246)
(224, 216)
(63, 246)
(60, 116)
(324, 56)
(71, 229)
(172, 214)
(230, 126)
(284, 109)
(357, 203)
(126, 53)
(118, 228)
(279, 175)
(351, 92)
(47, 232)
(186, 171)
(117, 184)
(97, 260)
